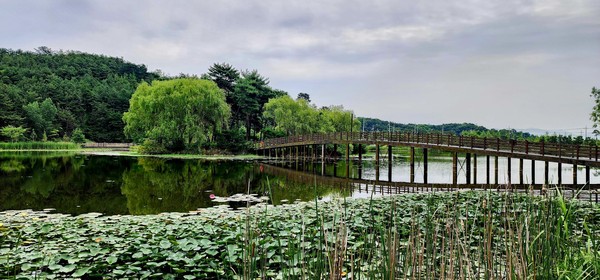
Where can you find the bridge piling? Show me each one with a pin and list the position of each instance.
(496, 170)
(474, 168)
(560, 174)
(412, 164)
(587, 175)
(468, 167)
(509, 171)
(454, 168)
(487, 169)
(546, 173)
(521, 171)
(425, 165)
(347, 152)
(533, 172)
(575, 174)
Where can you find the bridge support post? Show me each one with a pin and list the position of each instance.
(560, 174)
(347, 152)
(347, 169)
(468, 167)
(389, 163)
(496, 170)
(322, 159)
(359, 161)
(546, 173)
(377, 162)
(509, 171)
(425, 165)
(314, 152)
(574, 174)
(334, 151)
(487, 170)
(474, 168)
(412, 164)
(587, 175)
(297, 153)
(521, 171)
(454, 168)
(533, 171)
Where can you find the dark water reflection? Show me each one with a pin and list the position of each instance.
(76, 184)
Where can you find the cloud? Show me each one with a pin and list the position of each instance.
(408, 61)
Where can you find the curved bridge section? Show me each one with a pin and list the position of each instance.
(309, 146)
(553, 152)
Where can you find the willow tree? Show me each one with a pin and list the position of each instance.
(176, 115)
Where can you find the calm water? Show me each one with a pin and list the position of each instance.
(74, 183)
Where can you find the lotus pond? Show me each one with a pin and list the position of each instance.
(460, 235)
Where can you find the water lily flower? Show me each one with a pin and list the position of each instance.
(212, 196)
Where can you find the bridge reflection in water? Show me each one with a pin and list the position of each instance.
(349, 175)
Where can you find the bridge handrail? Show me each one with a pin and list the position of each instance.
(436, 139)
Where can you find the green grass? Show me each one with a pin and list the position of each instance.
(21, 146)
(462, 235)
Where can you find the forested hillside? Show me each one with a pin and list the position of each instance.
(52, 93)
(456, 128)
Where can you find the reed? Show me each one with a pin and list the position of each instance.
(38, 146)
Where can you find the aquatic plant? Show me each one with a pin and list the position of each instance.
(460, 235)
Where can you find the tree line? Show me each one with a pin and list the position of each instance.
(53, 95)
(47, 95)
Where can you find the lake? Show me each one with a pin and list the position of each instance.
(75, 183)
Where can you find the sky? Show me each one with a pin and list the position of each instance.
(500, 64)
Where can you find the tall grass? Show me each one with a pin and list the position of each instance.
(38, 146)
(465, 235)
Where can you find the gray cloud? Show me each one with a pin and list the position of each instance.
(527, 63)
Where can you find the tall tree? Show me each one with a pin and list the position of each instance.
(304, 95)
(224, 75)
(595, 116)
(251, 92)
(176, 115)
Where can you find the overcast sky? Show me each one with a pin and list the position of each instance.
(501, 64)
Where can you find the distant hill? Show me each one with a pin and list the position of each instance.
(89, 91)
(370, 124)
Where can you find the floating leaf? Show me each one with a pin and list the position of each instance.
(82, 271)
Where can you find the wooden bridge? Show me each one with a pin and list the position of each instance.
(112, 146)
(309, 146)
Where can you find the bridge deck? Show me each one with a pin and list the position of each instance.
(553, 152)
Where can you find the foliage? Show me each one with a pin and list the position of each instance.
(42, 145)
(370, 124)
(232, 140)
(88, 91)
(41, 116)
(177, 115)
(78, 136)
(595, 115)
(294, 117)
(14, 133)
(462, 235)
(304, 95)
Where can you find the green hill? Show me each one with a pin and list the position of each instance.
(89, 91)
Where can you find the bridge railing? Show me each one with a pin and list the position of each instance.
(449, 140)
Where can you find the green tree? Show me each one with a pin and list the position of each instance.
(14, 133)
(251, 93)
(78, 136)
(177, 115)
(41, 116)
(595, 116)
(304, 95)
(224, 75)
